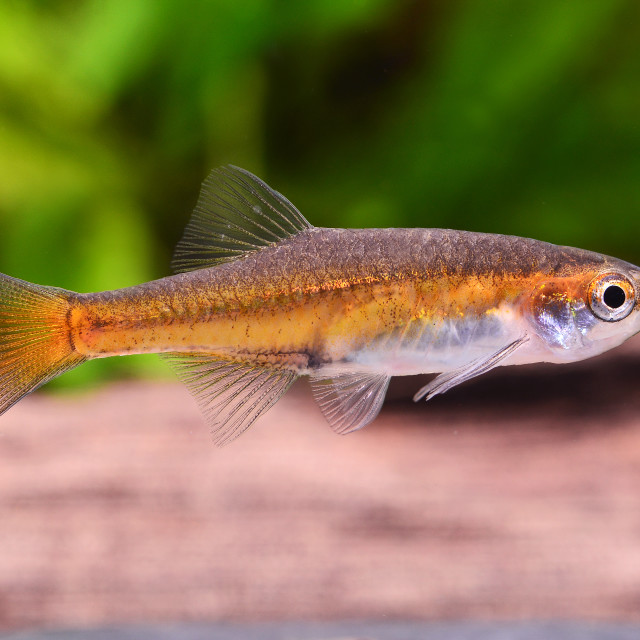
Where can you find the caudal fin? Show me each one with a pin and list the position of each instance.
(35, 341)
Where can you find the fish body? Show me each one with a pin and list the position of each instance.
(263, 297)
(336, 298)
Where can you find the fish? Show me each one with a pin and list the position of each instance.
(261, 297)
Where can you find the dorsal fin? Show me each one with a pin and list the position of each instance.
(236, 214)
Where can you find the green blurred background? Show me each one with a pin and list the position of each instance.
(488, 115)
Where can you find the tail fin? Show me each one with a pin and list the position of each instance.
(35, 339)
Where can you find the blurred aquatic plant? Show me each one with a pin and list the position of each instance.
(493, 116)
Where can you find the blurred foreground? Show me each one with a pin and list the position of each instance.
(513, 497)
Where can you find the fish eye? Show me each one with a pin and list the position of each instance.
(614, 296)
(611, 297)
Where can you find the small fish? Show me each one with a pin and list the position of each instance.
(261, 297)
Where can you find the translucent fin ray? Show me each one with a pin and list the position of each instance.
(350, 401)
(231, 394)
(445, 381)
(236, 213)
(35, 341)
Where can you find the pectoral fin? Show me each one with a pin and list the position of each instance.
(230, 394)
(445, 381)
(350, 401)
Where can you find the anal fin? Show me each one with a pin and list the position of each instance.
(231, 394)
(350, 401)
(445, 381)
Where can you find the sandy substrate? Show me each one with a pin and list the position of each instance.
(514, 497)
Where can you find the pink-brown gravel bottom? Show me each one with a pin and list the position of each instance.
(516, 496)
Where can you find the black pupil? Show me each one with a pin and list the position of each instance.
(614, 296)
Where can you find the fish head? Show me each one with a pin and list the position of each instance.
(585, 310)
